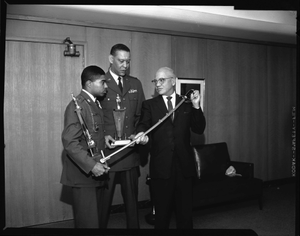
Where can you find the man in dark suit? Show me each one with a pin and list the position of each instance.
(172, 165)
(124, 166)
(82, 170)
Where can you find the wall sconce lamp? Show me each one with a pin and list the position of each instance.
(70, 49)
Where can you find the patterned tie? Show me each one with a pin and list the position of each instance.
(120, 84)
(170, 107)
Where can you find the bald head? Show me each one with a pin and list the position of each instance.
(165, 81)
(166, 71)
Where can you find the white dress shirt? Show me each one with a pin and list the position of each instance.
(173, 99)
(116, 77)
(92, 97)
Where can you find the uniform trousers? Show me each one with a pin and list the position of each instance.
(173, 193)
(129, 190)
(86, 206)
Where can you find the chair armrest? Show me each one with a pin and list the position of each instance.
(246, 169)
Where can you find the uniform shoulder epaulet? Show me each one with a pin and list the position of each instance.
(131, 77)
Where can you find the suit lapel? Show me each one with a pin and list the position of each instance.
(161, 104)
(178, 100)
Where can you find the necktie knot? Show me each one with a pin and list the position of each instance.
(170, 106)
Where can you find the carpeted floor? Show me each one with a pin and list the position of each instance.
(277, 218)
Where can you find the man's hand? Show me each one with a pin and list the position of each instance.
(131, 137)
(141, 138)
(99, 169)
(195, 99)
(109, 142)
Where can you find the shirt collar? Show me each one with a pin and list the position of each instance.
(173, 99)
(91, 96)
(115, 76)
(173, 95)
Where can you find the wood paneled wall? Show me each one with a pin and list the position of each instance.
(222, 95)
(253, 115)
(189, 61)
(149, 53)
(281, 97)
(100, 42)
(250, 92)
(39, 81)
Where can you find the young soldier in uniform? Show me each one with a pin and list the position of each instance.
(82, 171)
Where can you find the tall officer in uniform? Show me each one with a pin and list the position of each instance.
(124, 166)
(84, 173)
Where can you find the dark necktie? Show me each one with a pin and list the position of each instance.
(170, 107)
(120, 84)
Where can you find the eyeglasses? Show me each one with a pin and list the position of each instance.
(160, 80)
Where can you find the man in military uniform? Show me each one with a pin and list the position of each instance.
(124, 165)
(82, 170)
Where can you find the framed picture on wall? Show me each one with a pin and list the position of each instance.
(183, 85)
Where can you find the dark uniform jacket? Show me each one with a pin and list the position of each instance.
(170, 137)
(131, 99)
(78, 163)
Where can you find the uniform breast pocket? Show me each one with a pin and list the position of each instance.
(133, 99)
(132, 96)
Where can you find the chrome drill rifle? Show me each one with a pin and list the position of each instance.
(90, 142)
